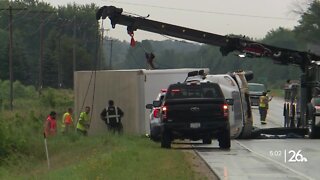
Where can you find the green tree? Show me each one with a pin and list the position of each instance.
(135, 58)
(309, 24)
(58, 25)
(71, 21)
(284, 38)
(167, 59)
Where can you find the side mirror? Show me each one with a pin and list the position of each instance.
(149, 106)
(156, 103)
(229, 102)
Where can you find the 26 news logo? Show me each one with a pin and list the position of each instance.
(290, 156)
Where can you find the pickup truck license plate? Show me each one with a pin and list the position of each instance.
(194, 125)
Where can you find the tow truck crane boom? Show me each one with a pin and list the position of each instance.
(227, 43)
(307, 61)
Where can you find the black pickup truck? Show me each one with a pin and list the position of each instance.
(196, 110)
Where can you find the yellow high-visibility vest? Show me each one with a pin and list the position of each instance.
(263, 100)
(64, 119)
(84, 119)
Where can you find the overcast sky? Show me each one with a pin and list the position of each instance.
(253, 18)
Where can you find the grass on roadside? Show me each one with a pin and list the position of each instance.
(103, 157)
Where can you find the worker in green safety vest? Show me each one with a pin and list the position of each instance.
(84, 122)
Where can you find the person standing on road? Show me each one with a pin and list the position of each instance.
(67, 121)
(50, 125)
(83, 124)
(112, 115)
(263, 107)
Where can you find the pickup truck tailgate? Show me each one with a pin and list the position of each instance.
(195, 110)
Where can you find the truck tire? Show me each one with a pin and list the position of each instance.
(299, 122)
(224, 139)
(313, 130)
(207, 140)
(166, 140)
(154, 138)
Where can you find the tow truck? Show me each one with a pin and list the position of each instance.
(307, 61)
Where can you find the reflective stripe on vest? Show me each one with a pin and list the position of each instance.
(117, 116)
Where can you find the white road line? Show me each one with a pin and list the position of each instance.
(274, 161)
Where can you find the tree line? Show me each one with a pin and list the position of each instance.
(59, 34)
(71, 33)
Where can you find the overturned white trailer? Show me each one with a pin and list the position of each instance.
(130, 89)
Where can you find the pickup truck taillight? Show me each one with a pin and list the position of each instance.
(164, 110)
(225, 110)
(156, 113)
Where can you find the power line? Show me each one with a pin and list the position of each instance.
(202, 11)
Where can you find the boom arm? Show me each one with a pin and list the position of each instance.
(227, 44)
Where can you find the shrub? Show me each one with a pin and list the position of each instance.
(48, 98)
(19, 90)
(21, 130)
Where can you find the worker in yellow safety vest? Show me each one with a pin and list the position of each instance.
(263, 107)
(83, 124)
(67, 121)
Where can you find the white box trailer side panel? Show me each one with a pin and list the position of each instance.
(122, 87)
(130, 89)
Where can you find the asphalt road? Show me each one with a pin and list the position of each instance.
(265, 158)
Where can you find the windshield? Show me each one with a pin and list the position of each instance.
(257, 87)
(208, 90)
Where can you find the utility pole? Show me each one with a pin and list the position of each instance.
(59, 63)
(101, 46)
(10, 9)
(74, 45)
(41, 56)
(40, 83)
(110, 62)
(59, 56)
(10, 58)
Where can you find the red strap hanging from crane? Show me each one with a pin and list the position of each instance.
(132, 41)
